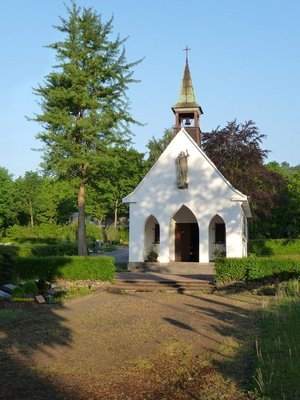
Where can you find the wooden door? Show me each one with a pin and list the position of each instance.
(187, 242)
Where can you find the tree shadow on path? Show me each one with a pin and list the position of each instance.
(37, 329)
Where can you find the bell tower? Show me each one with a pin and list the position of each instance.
(187, 111)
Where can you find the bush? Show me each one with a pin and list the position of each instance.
(44, 250)
(6, 268)
(274, 247)
(123, 236)
(18, 293)
(43, 233)
(230, 269)
(72, 268)
(255, 268)
(30, 288)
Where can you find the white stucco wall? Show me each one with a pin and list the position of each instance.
(208, 194)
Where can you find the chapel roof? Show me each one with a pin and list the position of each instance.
(186, 96)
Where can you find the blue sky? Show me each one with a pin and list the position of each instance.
(244, 62)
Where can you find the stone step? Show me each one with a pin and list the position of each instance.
(154, 286)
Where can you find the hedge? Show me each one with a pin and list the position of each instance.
(256, 268)
(274, 247)
(72, 268)
(40, 249)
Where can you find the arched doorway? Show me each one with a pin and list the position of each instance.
(186, 236)
(217, 237)
(151, 237)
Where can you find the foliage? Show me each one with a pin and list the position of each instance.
(7, 199)
(237, 154)
(256, 268)
(284, 222)
(6, 266)
(111, 234)
(44, 250)
(84, 103)
(274, 247)
(230, 269)
(72, 268)
(157, 146)
(18, 292)
(152, 255)
(43, 233)
(278, 350)
(123, 235)
(30, 288)
(117, 178)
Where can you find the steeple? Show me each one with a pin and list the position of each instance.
(186, 110)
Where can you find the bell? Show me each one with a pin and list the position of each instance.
(187, 121)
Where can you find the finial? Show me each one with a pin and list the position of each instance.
(186, 53)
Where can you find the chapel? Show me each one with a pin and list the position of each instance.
(184, 212)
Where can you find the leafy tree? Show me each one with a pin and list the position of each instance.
(157, 146)
(7, 199)
(29, 199)
(83, 101)
(125, 172)
(236, 151)
(284, 222)
(43, 199)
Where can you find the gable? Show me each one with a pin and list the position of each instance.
(204, 179)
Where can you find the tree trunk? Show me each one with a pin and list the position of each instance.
(82, 245)
(31, 213)
(116, 213)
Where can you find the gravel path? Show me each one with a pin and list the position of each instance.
(90, 347)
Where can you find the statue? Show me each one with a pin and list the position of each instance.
(182, 169)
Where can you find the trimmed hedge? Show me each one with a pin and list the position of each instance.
(256, 268)
(40, 249)
(274, 247)
(72, 268)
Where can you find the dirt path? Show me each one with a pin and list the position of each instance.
(122, 346)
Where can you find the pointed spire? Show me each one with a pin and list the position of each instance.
(187, 111)
(187, 96)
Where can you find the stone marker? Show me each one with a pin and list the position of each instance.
(40, 299)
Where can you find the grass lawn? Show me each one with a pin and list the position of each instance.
(278, 350)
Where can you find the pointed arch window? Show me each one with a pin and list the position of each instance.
(220, 233)
(156, 233)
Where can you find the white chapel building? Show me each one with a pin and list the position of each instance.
(184, 209)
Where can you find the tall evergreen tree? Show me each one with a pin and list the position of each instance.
(83, 102)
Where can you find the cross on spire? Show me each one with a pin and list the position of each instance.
(186, 53)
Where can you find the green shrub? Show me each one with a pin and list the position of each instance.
(44, 250)
(68, 267)
(6, 268)
(30, 288)
(22, 299)
(256, 268)
(111, 234)
(123, 236)
(18, 293)
(274, 247)
(43, 233)
(230, 269)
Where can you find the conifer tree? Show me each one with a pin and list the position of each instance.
(84, 103)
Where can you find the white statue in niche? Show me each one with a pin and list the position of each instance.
(182, 169)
